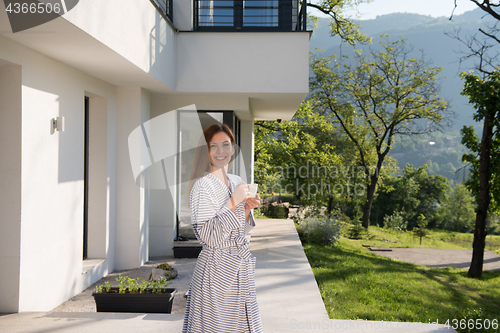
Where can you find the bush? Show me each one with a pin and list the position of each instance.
(357, 231)
(319, 230)
(276, 211)
(395, 221)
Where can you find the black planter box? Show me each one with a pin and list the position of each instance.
(187, 251)
(137, 303)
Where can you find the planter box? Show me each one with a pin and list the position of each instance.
(137, 303)
(187, 251)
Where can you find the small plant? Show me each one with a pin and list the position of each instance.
(319, 230)
(165, 267)
(129, 285)
(357, 231)
(421, 231)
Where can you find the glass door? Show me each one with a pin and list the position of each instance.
(187, 143)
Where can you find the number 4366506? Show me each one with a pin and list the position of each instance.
(32, 8)
(472, 324)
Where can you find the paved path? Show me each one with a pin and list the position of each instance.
(440, 258)
(287, 293)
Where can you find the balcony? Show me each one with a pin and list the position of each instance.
(165, 8)
(250, 15)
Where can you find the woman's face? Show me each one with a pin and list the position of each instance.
(221, 150)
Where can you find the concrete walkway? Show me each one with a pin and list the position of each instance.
(287, 293)
(441, 258)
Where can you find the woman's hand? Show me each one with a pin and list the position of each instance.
(240, 194)
(252, 203)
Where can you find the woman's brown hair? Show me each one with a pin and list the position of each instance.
(201, 162)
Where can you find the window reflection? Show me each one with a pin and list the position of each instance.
(216, 13)
(260, 13)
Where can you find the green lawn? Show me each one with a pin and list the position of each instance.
(437, 239)
(357, 284)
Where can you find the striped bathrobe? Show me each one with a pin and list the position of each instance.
(222, 292)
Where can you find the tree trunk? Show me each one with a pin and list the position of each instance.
(476, 265)
(330, 204)
(370, 193)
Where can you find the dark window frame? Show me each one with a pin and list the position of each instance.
(285, 19)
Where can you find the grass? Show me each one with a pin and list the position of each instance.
(437, 239)
(357, 284)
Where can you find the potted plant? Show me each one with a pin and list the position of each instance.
(135, 296)
(163, 271)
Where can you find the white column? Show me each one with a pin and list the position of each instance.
(131, 229)
(10, 183)
(247, 148)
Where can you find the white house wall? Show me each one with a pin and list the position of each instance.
(10, 184)
(242, 62)
(51, 229)
(134, 30)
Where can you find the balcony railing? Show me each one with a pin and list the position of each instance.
(250, 15)
(165, 7)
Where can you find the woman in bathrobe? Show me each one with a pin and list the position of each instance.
(222, 292)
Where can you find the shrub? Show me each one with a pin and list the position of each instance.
(276, 211)
(395, 221)
(319, 230)
(357, 231)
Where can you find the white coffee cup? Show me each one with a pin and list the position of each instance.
(253, 190)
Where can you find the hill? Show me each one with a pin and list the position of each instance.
(441, 151)
(425, 34)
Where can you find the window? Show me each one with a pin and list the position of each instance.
(216, 13)
(260, 13)
(249, 15)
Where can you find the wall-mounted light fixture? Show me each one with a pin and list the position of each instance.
(57, 125)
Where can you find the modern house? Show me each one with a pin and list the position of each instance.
(74, 89)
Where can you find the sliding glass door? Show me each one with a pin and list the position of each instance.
(188, 140)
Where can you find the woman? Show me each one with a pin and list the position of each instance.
(222, 291)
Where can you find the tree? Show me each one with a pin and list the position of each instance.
(421, 231)
(412, 193)
(484, 95)
(376, 99)
(304, 157)
(458, 213)
(340, 25)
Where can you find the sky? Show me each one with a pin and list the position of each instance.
(435, 8)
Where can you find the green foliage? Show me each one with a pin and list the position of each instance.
(319, 230)
(421, 231)
(484, 96)
(275, 211)
(474, 321)
(340, 25)
(129, 285)
(376, 99)
(357, 231)
(412, 193)
(458, 213)
(395, 221)
(303, 157)
(164, 266)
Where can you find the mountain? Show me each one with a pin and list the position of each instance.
(423, 33)
(442, 152)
